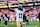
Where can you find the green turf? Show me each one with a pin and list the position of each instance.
(34, 23)
(31, 24)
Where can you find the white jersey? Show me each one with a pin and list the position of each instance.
(5, 18)
(11, 17)
(19, 14)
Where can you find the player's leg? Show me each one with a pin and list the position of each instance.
(39, 20)
(11, 21)
(0, 20)
(27, 22)
(24, 24)
(6, 23)
(18, 23)
(21, 23)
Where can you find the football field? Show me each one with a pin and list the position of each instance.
(31, 24)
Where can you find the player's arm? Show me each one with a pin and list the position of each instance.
(2, 16)
(29, 9)
(9, 7)
(6, 15)
(11, 10)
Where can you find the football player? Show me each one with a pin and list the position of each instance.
(24, 20)
(12, 19)
(5, 19)
(27, 19)
(19, 14)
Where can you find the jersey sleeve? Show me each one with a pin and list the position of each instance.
(24, 10)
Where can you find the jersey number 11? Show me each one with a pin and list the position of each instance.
(20, 15)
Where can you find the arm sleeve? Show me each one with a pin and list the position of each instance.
(2, 16)
(11, 10)
(29, 9)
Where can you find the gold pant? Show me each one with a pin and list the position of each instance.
(19, 24)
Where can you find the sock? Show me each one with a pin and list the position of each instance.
(21, 26)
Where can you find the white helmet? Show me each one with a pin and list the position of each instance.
(19, 5)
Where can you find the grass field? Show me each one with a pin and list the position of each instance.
(31, 24)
